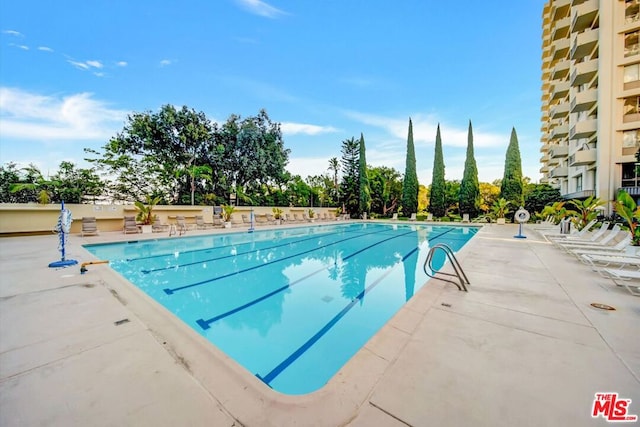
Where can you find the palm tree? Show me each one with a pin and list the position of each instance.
(195, 172)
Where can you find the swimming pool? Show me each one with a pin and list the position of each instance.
(292, 306)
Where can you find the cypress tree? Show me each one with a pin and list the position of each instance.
(469, 187)
(365, 192)
(511, 188)
(410, 183)
(437, 204)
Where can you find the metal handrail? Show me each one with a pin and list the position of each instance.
(459, 273)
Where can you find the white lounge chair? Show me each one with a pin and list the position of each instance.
(623, 278)
(607, 237)
(394, 217)
(130, 225)
(413, 217)
(617, 249)
(578, 234)
(597, 262)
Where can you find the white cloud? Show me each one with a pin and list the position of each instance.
(308, 166)
(80, 65)
(291, 128)
(122, 63)
(31, 116)
(20, 46)
(13, 33)
(261, 8)
(45, 49)
(424, 130)
(165, 62)
(95, 64)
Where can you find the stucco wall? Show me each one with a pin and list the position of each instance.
(33, 218)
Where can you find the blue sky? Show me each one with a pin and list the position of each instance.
(71, 71)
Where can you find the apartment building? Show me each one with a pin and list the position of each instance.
(591, 97)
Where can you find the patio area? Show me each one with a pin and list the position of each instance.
(523, 347)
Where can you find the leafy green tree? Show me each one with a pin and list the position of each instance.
(626, 207)
(349, 187)
(410, 182)
(195, 173)
(469, 187)
(452, 196)
(537, 196)
(437, 203)
(365, 193)
(76, 185)
(9, 174)
(386, 189)
(33, 186)
(511, 188)
(585, 210)
(489, 193)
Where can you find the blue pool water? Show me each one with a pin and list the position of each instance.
(290, 305)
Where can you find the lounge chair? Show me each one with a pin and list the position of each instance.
(617, 249)
(607, 237)
(130, 225)
(597, 262)
(158, 226)
(582, 234)
(413, 217)
(181, 224)
(429, 217)
(622, 278)
(89, 226)
(200, 224)
(465, 217)
(217, 220)
(394, 217)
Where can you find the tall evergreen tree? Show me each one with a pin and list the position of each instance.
(511, 188)
(365, 192)
(437, 205)
(410, 183)
(469, 187)
(349, 187)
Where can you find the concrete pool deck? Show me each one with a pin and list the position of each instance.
(522, 347)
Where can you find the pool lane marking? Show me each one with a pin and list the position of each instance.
(170, 291)
(172, 267)
(311, 341)
(205, 324)
(330, 324)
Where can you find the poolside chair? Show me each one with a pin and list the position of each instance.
(596, 262)
(246, 219)
(217, 220)
(181, 224)
(623, 278)
(429, 217)
(200, 224)
(394, 217)
(578, 234)
(617, 249)
(413, 217)
(158, 226)
(605, 242)
(89, 226)
(588, 238)
(130, 225)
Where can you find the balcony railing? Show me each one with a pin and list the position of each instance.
(584, 72)
(584, 43)
(633, 191)
(583, 129)
(584, 15)
(582, 158)
(579, 194)
(583, 101)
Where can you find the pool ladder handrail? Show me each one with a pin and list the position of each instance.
(459, 273)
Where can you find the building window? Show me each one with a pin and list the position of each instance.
(578, 183)
(631, 43)
(631, 138)
(631, 109)
(632, 73)
(631, 11)
(629, 175)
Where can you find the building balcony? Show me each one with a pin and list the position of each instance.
(582, 158)
(579, 194)
(544, 169)
(584, 43)
(560, 131)
(545, 147)
(545, 158)
(583, 15)
(583, 129)
(630, 118)
(553, 161)
(584, 101)
(560, 110)
(560, 70)
(559, 172)
(583, 72)
(560, 49)
(559, 90)
(558, 151)
(561, 30)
